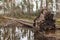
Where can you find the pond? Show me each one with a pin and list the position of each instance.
(16, 33)
(20, 33)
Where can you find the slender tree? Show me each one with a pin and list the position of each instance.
(31, 6)
(3, 6)
(28, 7)
(41, 3)
(36, 6)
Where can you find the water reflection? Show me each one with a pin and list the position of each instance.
(19, 33)
(16, 33)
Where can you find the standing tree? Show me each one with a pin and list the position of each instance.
(23, 3)
(41, 3)
(3, 6)
(28, 7)
(36, 6)
(31, 6)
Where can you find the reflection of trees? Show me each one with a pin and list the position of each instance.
(13, 33)
(9, 33)
(24, 33)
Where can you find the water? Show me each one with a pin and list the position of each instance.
(16, 33)
(19, 33)
(54, 34)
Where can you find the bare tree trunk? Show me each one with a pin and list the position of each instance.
(41, 3)
(11, 13)
(47, 3)
(7, 4)
(28, 7)
(36, 6)
(3, 7)
(31, 6)
(22, 8)
(11, 9)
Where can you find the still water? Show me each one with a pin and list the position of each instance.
(16, 33)
(19, 33)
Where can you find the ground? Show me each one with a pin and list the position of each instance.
(4, 20)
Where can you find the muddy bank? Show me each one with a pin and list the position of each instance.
(5, 22)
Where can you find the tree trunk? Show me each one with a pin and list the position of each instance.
(28, 7)
(36, 6)
(41, 3)
(3, 7)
